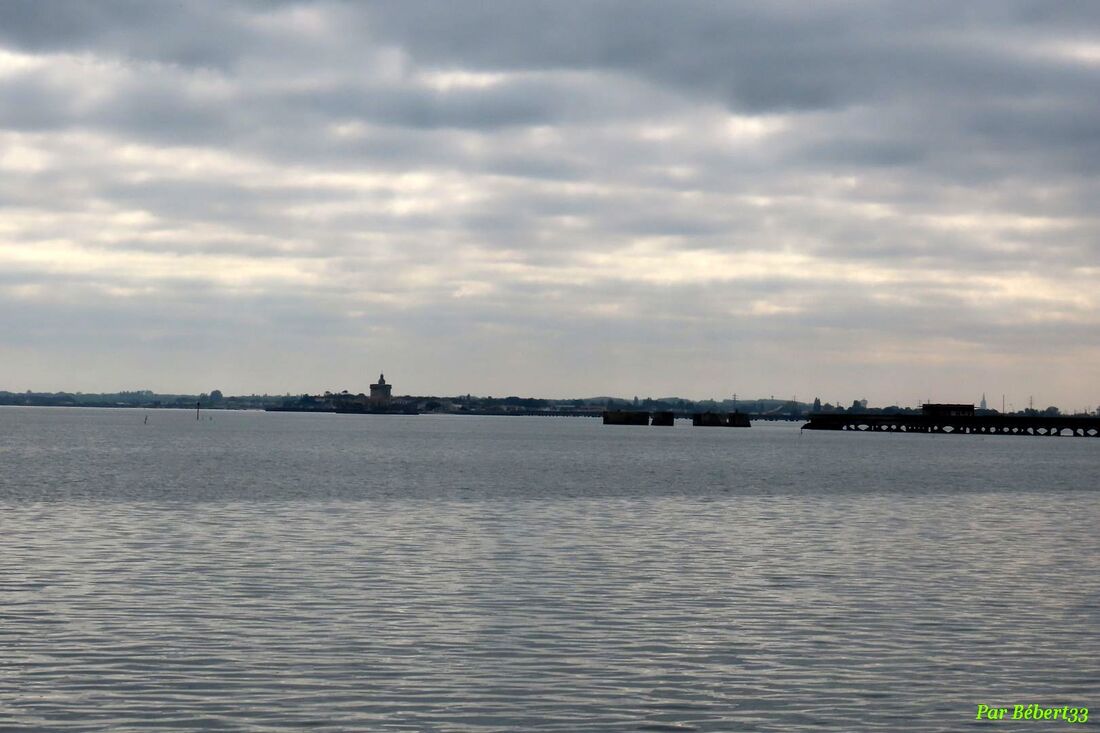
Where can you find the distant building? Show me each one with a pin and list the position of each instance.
(983, 406)
(381, 393)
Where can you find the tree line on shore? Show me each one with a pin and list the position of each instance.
(215, 399)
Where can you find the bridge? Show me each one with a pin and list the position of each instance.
(957, 424)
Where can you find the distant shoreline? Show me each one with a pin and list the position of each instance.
(428, 404)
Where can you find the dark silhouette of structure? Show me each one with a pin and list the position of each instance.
(947, 410)
(625, 417)
(957, 420)
(708, 420)
(381, 394)
(665, 419)
(738, 420)
(718, 420)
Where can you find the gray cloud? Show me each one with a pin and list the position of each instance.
(528, 196)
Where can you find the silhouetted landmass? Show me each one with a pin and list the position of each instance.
(460, 404)
(758, 409)
(139, 398)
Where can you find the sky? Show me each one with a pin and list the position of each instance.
(892, 201)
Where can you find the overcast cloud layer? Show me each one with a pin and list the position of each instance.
(850, 199)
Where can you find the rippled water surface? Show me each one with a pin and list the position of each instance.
(326, 572)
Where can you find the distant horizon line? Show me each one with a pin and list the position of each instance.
(594, 398)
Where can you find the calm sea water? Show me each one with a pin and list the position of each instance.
(284, 572)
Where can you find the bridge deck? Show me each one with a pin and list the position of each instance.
(1086, 427)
